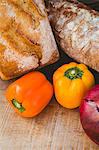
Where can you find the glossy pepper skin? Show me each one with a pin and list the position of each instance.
(71, 83)
(30, 94)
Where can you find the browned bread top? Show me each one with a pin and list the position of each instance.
(76, 27)
(26, 39)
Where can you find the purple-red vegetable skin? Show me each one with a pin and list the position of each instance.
(89, 114)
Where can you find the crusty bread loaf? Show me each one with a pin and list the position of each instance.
(76, 27)
(26, 39)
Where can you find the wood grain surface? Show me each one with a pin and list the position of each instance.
(56, 128)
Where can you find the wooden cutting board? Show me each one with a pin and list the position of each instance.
(56, 128)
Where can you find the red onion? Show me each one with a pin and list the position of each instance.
(89, 114)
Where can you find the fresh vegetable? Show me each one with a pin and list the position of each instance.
(89, 114)
(71, 82)
(30, 94)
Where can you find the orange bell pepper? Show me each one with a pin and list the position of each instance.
(30, 94)
(71, 82)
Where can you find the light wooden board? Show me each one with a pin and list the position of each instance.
(56, 128)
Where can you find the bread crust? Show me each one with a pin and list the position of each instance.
(26, 38)
(76, 28)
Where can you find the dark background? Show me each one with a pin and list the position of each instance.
(49, 70)
(92, 3)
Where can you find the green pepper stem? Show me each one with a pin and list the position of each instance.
(74, 73)
(18, 105)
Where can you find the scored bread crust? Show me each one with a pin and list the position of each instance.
(76, 28)
(26, 38)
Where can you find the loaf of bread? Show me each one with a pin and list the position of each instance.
(76, 27)
(26, 39)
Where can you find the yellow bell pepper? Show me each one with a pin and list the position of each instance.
(71, 83)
